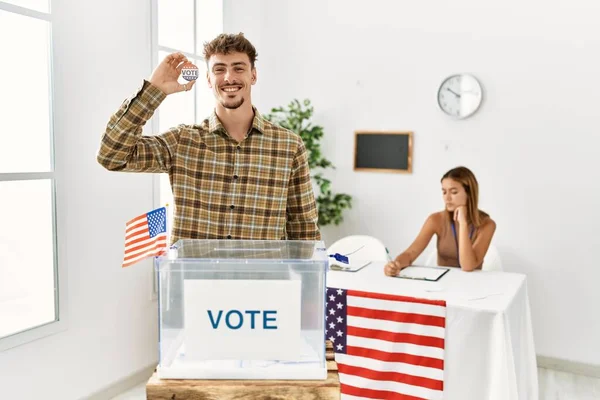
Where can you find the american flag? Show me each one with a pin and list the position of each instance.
(387, 346)
(145, 236)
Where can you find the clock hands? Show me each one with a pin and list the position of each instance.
(467, 93)
(456, 94)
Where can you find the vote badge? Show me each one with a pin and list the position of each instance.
(189, 72)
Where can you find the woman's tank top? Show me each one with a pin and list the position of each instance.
(447, 242)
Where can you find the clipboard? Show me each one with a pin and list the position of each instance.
(423, 273)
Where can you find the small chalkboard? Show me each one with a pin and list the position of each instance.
(384, 151)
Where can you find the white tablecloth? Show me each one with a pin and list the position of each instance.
(489, 352)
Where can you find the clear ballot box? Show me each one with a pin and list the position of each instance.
(242, 309)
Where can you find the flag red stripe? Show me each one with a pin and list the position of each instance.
(129, 226)
(422, 361)
(393, 297)
(391, 376)
(376, 394)
(144, 232)
(129, 232)
(154, 251)
(160, 238)
(160, 241)
(157, 250)
(396, 337)
(397, 316)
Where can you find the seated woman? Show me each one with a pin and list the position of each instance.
(463, 231)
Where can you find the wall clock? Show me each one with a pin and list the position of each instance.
(460, 95)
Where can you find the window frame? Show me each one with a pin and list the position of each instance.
(60, 322)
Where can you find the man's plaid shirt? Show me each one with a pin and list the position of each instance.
(258, 189)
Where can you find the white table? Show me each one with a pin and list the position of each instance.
(489, 352)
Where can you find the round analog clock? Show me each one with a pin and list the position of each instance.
(460, 95)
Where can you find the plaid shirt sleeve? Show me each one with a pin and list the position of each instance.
(302, 215)
(123, 148)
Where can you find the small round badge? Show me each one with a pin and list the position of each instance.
(189, 72)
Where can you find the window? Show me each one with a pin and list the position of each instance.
(184, 26)
(29, 297)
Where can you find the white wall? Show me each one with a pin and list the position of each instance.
(101, 55)
(377, 65)
(373, 65)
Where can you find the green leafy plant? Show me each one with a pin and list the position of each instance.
(296, 117)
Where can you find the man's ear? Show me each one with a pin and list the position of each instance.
(208, 80)
(253, 76)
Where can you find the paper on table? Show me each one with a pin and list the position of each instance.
(352, 266)
(423, 273)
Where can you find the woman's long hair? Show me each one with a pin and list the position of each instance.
(467, 179)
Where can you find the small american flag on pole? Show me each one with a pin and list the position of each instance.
(387, 346)
(145, 236)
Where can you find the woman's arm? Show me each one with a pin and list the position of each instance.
(409, 255)
(471, 255)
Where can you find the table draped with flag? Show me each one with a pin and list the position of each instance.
(387, 346)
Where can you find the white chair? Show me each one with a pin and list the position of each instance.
(491, 261)
(432, 259)
(360, 247)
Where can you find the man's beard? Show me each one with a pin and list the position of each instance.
(232, 106)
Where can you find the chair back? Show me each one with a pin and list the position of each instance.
(361, 247)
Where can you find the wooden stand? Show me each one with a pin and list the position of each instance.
(217, 389)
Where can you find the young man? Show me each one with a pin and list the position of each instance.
(234, 176)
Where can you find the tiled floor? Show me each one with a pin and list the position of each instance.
(554, 385)
(557, 385)
(137, 393)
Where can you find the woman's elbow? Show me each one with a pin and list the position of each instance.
(470, 268)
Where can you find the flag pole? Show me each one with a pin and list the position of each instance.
(167, 208)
